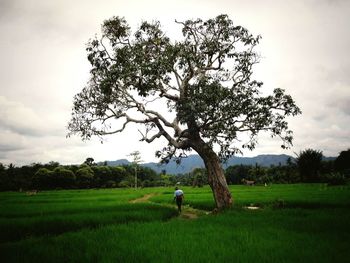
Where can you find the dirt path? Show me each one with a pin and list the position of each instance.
(187, 211)
(190, 213)
(143, 199)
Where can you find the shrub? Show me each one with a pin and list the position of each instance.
(111, 184)
(334, 179)
(125, 184)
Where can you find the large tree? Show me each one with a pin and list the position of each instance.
(342, 162)
(309, 164)
(197, 92)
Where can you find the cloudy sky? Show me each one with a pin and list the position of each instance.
(305, 49)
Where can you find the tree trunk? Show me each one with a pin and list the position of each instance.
(216, 177)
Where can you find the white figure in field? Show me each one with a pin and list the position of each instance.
(178, 197)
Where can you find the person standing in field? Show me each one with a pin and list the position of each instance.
(178, 197)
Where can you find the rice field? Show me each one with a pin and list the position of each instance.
(302, 222)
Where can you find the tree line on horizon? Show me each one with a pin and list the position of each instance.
(307, 168)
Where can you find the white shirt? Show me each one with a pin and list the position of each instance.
(178, 193)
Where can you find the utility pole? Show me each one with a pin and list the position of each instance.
(136, 156)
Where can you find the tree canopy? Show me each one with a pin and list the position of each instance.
(343, 161)
(197, 92)
(205, 79)
(309, 164)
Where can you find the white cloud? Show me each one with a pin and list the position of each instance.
(43, 64)
(19, 119)
(9, 143)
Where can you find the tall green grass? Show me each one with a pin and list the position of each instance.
(57, 212)
(289, 195)
(296, 223)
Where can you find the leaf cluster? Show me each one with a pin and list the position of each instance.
(205, 79)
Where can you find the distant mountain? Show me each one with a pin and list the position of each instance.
(194, 161)
(262, 160)
(118, 162)
(186, 165)
(328, 158)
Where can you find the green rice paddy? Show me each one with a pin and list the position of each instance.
(293, 223)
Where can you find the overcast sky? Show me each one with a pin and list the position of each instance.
(305, 50)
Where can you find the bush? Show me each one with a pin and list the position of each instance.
(335, 179)
(111, 184)
(125, 184)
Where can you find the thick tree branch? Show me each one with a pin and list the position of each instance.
(180, 144)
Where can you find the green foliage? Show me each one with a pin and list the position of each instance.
(128, 181)
(262, 175)
(283, 174)
(103, 173)
(63, 178)
(117, 173)
(327, 166)
(309, 164)
(146, 173)
(165, 180)
(256, 171)
(5, 181)
(51, 165)
(89, 161)
(342, 163)
(40, 176)
(43, 179)
(85, 176)
(235, 174)
(204, 79)
(52, 176)
(334, 179)
(200, 177)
